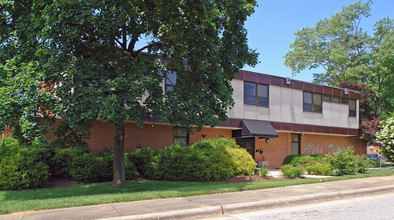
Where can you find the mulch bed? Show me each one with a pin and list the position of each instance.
(59, 181)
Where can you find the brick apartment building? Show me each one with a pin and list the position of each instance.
(272, 117)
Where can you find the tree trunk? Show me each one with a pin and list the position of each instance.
(119, 176)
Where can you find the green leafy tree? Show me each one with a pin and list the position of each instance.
(346, 53)
(24, 106)
(385, 136)
(106, 59)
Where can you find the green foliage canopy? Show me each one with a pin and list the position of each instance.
(88, 54)
(88, 50)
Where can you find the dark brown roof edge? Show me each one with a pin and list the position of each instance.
(280, 126)
(295, 84)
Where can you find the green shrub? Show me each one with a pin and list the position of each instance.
(190, 164)
(88, 167)
(9, 147)
(289, 158)
(345, 161)
(241, 160)
(319, 168)
(130, 169)
(215, 143)
(205, 160)
(362, 163)
(142, 157)
(372, 163)
(262, 172)
(291, 171)
(301, 159)
(24, 170)
(60, 164)
(306, 160)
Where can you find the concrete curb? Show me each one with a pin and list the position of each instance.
(178, 214)
(212, 211)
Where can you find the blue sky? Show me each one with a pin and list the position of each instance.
(271, 28)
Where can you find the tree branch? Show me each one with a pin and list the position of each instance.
(146, 47)
(130, 48)
(120, 43)
(124, 39)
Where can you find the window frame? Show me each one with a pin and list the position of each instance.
(333, 99)
(257, 97)
(353, 113)
(174, 136)
(344, 100)
(327, 97)
(171, 84)
(312, 104)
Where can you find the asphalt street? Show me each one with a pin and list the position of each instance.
(376, 207)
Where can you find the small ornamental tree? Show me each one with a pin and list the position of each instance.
(386, 137)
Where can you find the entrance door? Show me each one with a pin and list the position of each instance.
(295, 144)
(247, 143)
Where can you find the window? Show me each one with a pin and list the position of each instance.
(344, 100)
(312, 102)
(352, 108)
(335, 99)
(170, 77)
(181, 136)
(256, 94)
(327, 98)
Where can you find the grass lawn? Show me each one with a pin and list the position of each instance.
(98, 193)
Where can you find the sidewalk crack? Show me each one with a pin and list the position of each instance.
(23, 216)
(115, 209)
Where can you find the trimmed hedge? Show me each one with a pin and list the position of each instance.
(87, 167)
(27, 168)
(142, 157)
(60, 164)
(215, 143)
(189, 164)
(206, 160)
(24, 170)
(241, 160)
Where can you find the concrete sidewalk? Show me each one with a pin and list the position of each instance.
(218, 204)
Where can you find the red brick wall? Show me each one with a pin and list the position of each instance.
(209, 133)
(278, 148)
(152, 135)
(275, 151)
(325, 144)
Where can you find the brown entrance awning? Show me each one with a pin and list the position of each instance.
(256, 128)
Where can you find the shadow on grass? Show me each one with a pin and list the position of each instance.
(132, 186)
(150, 189)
